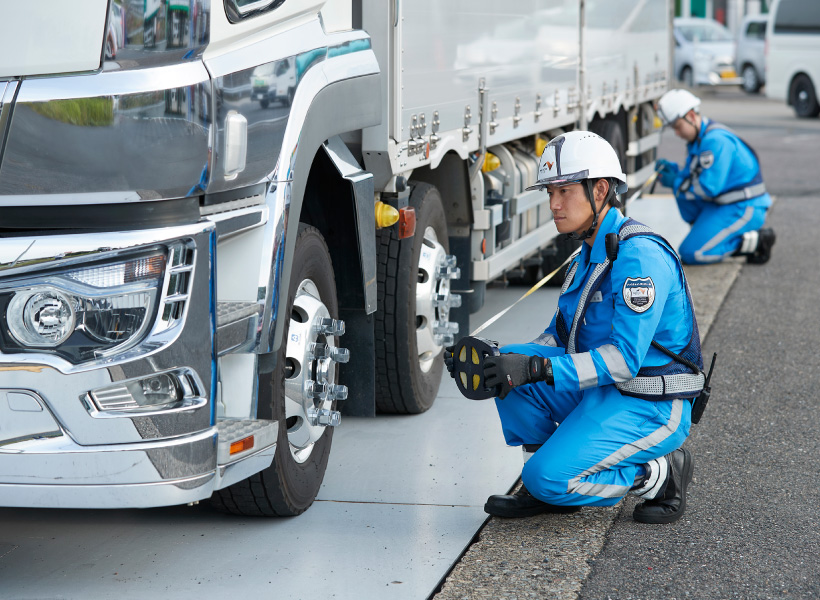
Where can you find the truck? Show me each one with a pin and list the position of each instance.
(179, 267)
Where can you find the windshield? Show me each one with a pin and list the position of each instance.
(705, 32)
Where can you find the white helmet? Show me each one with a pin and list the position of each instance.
(577, 155)
(674, 105)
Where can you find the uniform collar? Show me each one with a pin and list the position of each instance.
(611, 224)
(704, 123)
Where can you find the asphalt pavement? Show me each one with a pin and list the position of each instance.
(751, 526)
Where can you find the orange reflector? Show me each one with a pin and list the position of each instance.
(242, 445)
(407, 222)
(484, 246)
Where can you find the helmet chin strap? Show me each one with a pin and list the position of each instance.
(589, 188)
(696, 128)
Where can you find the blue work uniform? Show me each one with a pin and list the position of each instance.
(595, 436)
(720, 192)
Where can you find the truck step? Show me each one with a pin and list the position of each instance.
(241, 437)
(235, 325)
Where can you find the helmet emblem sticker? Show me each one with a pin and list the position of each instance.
(706, 159)
(639, 293)
(549, 164)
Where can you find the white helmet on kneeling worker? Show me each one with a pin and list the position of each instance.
(582, 157)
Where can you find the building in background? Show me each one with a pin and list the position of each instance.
(728, 12)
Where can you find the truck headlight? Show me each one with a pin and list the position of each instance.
(84, 313)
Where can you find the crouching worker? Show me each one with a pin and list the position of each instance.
(602, 399)
(719, 190)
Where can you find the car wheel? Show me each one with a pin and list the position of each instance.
(804, 98)
(413, 321)
(686, 77)
(751, 82)
(299, 391)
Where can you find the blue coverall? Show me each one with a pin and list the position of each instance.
(604, 436)
(724, 163)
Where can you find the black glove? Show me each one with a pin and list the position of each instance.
(511, 370)
(448, 360)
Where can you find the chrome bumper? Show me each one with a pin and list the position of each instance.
(57, 448)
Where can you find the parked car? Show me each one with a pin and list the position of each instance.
(751, 53)
(793, 55)
(704, 52)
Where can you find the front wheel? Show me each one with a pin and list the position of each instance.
(300, 392)
(413, 321)
(751, 82)
(804, 97)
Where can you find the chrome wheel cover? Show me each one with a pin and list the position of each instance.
(303, 332)
(434, 300)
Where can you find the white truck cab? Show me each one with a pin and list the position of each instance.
(200, 277)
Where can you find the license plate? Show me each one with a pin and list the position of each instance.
(730, 74)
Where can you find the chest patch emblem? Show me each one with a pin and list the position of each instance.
(639, 293)
(706, 159)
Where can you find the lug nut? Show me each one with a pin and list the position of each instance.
(323, 416)
(318, 350)
(447, 301)
(340, 355)
(447, 339)
(339, 392)
(445, 327)
(330, 326)
(316, 390)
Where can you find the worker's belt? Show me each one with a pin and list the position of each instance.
(663, 385)
(752, 191)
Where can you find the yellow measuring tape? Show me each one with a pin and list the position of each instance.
(495, 318)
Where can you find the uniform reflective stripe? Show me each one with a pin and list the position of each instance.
(602, 490)
(546, 339)
(698, 189)
(752, 191)
(661, 385)
(700, 254)
(585, 368)
(597, 272)
(569, 276)
(615, 362)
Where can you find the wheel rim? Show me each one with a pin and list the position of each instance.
(433, 300)
(304, 368)
(749, 79)
(802, 97)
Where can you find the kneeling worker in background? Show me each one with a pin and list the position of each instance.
(719, 190)
(601, 401)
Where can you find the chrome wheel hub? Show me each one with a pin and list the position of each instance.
(310, 371)
(433, 300)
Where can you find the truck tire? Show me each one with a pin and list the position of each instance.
(408, 358)
(289, 486)
(555, 256)
(264, 103)
(804, 97)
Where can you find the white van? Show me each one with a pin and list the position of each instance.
(793, 57)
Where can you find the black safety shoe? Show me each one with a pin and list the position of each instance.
(765, 241)
(668, 507)
(522, 504)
